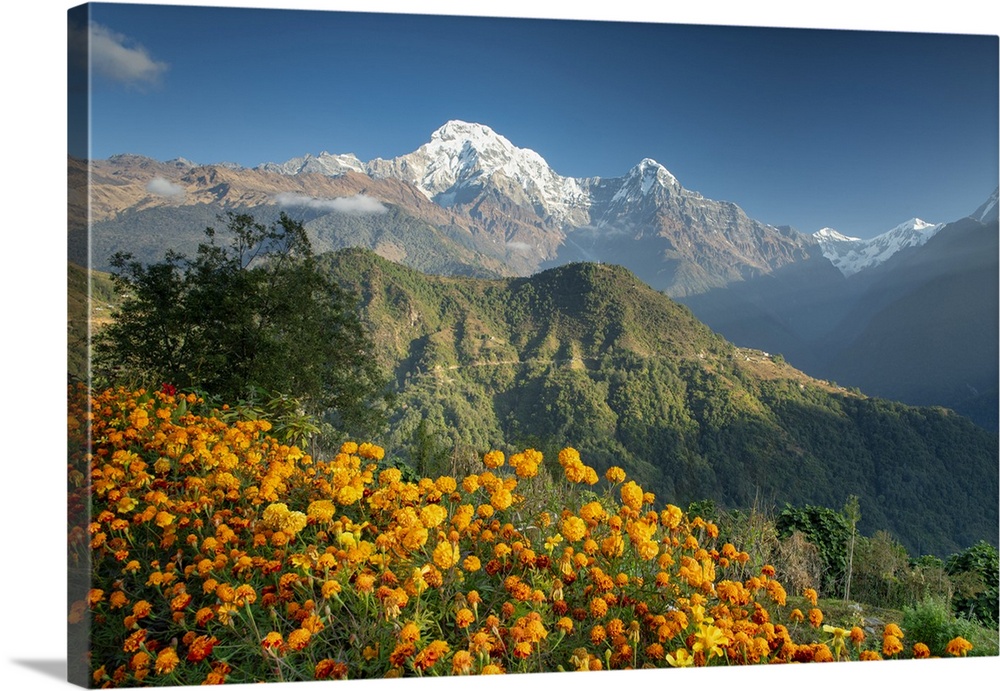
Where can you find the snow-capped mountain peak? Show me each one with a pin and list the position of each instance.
(852, 255)
(831, 235)
(325, 164)
(462, 157)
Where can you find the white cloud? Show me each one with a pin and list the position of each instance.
(164, 188)
(357, 205)
(117, 57)
(519, 246)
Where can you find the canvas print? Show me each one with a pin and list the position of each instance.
(403, 345)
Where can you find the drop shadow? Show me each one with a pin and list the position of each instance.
(50, 668)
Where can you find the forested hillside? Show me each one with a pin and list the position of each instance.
(587, 355)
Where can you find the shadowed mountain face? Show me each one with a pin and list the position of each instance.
(589, 356)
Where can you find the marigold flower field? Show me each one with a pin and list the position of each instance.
(218, 554)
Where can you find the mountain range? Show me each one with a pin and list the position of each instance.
(469, 202)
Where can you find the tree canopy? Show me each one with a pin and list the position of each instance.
(251, 312)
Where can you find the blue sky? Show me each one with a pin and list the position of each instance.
(850, 129)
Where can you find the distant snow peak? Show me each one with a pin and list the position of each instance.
(324, 164)
(831, 235)
(852, 255)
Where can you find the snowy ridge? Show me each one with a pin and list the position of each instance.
(852, 255)
(463, 157)
(988, 211)
(325, 164)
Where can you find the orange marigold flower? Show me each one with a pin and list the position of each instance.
(273, 641)
(869, 655)
(493, 459)
(330, 669)
(141, 609)
(201, 647)
(815, 617)
(203, 616)
(166, 661)
(572, 528)
(632, 495)
(857, 636)
(410, 633)
(614, 474)
(299, 639)
(921, 651)
(958, 646)
(464, 618)
(811, 595)
(892, 629)
(891, 645)
(133, 642)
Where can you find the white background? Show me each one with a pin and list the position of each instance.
(32, 461)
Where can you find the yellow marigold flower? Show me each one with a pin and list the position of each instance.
(958, 646)
(446, 555)
(166, 661)
(433, 515)
(493, 459)
(461, 662)
(321, 510)
(632, 495)
(446, 484)
(921, 651)
(492, 668)
(710, 639)
(470, 484)
(471, 563)
(681, 658)
(501, 499)
(671, 517)
(572, 528)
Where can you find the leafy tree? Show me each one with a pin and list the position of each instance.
(976, 573)
(254, 313)
(828, 530)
